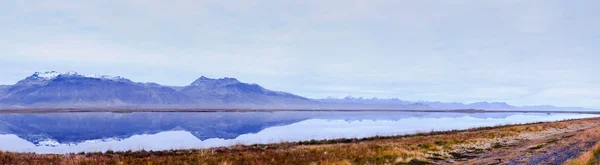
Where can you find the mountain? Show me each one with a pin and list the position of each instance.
(361, 100)
(230, 90)
(51, 89)
(396, 103)
(371, 103)
(3, 89)
(70, 89)
(492, 105)
(550, 107)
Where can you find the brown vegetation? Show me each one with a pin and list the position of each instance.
(591, 157)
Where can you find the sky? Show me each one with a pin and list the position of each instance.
(523, 52)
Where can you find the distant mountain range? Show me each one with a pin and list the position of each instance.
(72, 90)
(395, 102)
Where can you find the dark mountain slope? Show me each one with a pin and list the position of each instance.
(70, 89)
(232, 91)
(80, 90)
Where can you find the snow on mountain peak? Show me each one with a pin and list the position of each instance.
(220, 82)
(53, 74)
(104, 77)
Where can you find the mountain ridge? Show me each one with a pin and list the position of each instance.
(484, 105)
(73, 90)
(70, 89)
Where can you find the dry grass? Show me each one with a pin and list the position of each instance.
(410, 149)
(588, 158)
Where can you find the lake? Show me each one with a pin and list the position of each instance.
(100, 131)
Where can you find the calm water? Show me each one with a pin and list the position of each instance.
(77, 132)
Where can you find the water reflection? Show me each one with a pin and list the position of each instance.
(75, 132)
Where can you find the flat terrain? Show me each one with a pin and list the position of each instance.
(565, 142)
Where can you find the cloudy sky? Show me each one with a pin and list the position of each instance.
(523, 52)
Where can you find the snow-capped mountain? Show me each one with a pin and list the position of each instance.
(70, 89)
(42, 77)
(73, 90)
(51, 89)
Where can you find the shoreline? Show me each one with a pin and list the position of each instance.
(201, 110)
(471, 146)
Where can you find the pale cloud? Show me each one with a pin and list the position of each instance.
(522, 52)
(571, 92)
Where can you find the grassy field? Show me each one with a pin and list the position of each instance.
(474, 146)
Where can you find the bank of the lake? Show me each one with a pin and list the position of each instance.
(541, 143)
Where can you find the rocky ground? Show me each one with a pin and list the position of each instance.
(553, 146)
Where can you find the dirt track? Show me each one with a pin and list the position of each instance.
(547, 147)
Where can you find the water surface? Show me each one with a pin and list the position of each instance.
(97, 131)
